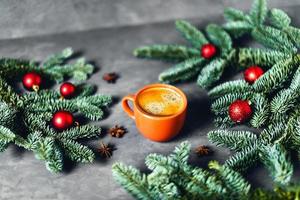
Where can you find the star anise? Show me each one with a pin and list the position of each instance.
(110, 77)
(105, 150)
(117, 131)
(203, 150)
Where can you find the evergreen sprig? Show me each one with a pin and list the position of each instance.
(282, 40)
(191, 63)
(26, 117)
(274, 96)
(53, 68)
(271, 28)
(173, 178)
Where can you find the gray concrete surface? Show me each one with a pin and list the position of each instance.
(25, 178)
(36, 17)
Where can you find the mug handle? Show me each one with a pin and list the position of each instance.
(126, 107)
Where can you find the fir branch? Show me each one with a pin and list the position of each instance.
(272, 133)
(85, 131)
(53, 68)
(277, 162)
(7, 94)
(220, 38)
(181, 153)
(200, 183)
(258, 11)
(99, 100)
(91, 111)
(211, 73)
(274, 39)
(191, 60)
(58, 58)
(221, 104)
(6, 135)
(171, 179)
(159, 163)
(284, 101)
(238, 28)
(85, 90)
(261, 111)
(12, 67)
(168, 190)
(182, 71)
(32, 139)
(46, 149)
(295, 83)
(234, 140)
(279, 19)
(166, 52)
(43, 148)
(290, 133)
(229, 87)
(261, 57)
(223, 121)
(191, 33)
(133, 181)
(276, 76)
(55, 162)
(25, 118)
(41, 96)
(79, 71)
(294, 34)
(243, 159)
(237, 186)
(8, 115)
(295, 137)
(238, 23)
(77, 152)
(39, 122)
(90, 106)
(232, 14)
(3, 146)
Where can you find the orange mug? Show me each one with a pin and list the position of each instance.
(154, 127)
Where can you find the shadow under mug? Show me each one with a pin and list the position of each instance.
(153, 127)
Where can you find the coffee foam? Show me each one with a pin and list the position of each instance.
(155, 108)
(171, 98)
(161, 102)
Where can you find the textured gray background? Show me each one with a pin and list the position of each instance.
(39, 17)
(118, 27)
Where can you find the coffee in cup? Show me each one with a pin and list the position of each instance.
(160, 101)
(158, 110)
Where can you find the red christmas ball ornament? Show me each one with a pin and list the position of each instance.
(67, 90)
(32, 81)
(240, 111)
(208, 51)
(62, 120)
(252, 73)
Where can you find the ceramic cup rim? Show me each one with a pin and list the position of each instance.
(161, 85)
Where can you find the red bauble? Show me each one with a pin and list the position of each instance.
(240, 111)
(208, 51)
(32, 81)
(62, 120)
(253, 73)
(67, 90)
